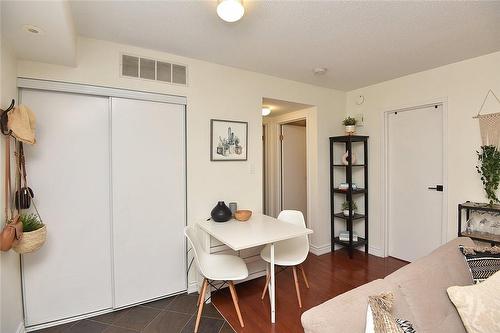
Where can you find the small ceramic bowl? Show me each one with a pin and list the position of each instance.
(242, 215)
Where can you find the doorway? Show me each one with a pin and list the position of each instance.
(285, 156)
(293, 166)
(415, 181)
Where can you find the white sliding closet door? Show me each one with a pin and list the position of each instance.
(68, 169)
(148, 168)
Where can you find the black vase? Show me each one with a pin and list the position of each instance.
(221, 212)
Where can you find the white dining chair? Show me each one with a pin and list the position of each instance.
(215, 267)
(289, 253)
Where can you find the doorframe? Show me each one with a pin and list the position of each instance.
(443, 101)
(274, 163)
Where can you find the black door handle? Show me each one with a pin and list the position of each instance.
(438, 188)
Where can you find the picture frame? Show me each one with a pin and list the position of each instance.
(228, 140)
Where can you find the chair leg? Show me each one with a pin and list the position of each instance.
(297, 288)
(304, 275)
(235, 301)
(200, 292)
(268, 277)
(200, 304)
(237, 298)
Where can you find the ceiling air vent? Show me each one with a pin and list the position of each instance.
(150, 69)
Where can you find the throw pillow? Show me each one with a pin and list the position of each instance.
(379, 318)
(478, 305)
(406, 326)
(482, 261)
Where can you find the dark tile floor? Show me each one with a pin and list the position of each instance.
(176, 314)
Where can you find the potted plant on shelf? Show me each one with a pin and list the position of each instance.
(350, 125)
(34, 234)
(489, 158)
(345, 208)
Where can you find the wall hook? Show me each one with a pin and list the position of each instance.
(4, 119)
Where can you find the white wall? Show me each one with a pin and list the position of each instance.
(221, 92)
(463, 85)
(11, 313)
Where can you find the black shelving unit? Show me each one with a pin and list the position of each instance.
(469, 207)
(349, 141)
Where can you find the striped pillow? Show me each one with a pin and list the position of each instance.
(483, 262)
(406, 326)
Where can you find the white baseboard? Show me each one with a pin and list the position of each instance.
(326, 248)
(319, 250)
(376, 251)
(20, 328)
(193, 287)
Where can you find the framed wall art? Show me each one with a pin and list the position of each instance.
(228, 140)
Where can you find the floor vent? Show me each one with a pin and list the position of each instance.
(150, 69)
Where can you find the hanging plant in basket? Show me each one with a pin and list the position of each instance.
(34, 234)
(489, 169)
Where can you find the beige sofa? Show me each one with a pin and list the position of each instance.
(420, 296)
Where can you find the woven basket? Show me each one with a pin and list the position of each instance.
(31, 241)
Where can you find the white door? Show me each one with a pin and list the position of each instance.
(415, 164)
(68, 169)
(149, 198)
(294, 168)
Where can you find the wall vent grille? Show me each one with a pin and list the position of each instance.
(150, 69)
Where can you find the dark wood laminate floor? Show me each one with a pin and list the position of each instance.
(329, 275)
(176, 314)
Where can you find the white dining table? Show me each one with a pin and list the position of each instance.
(258, 230)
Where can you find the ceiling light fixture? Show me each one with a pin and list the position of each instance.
(32, 29)
(230, 10)
(319, 70)
(266, 111)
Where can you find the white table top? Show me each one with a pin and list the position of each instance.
(258, 230)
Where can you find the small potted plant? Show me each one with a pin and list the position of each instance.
(34, 234)
(350, 125)
(345, 207)
(489, 158)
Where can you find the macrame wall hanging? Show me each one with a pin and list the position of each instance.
(489, 124)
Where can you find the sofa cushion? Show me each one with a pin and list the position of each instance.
(479, 305)
(423, 285)
(345, 313)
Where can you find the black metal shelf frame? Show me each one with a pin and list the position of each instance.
(469, 207)
(348, 141)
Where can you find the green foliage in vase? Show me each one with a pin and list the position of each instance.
(489, 169)
(345, 206)
(30, 222)
(349, 121)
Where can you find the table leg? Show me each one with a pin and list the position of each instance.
(272, 290)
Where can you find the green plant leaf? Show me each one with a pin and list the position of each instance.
(30, 222)
(489, 169)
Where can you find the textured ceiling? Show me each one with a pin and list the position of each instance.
(57, 42)
(360, 42)
(279, 107)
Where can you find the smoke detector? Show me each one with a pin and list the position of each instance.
(319, 70)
